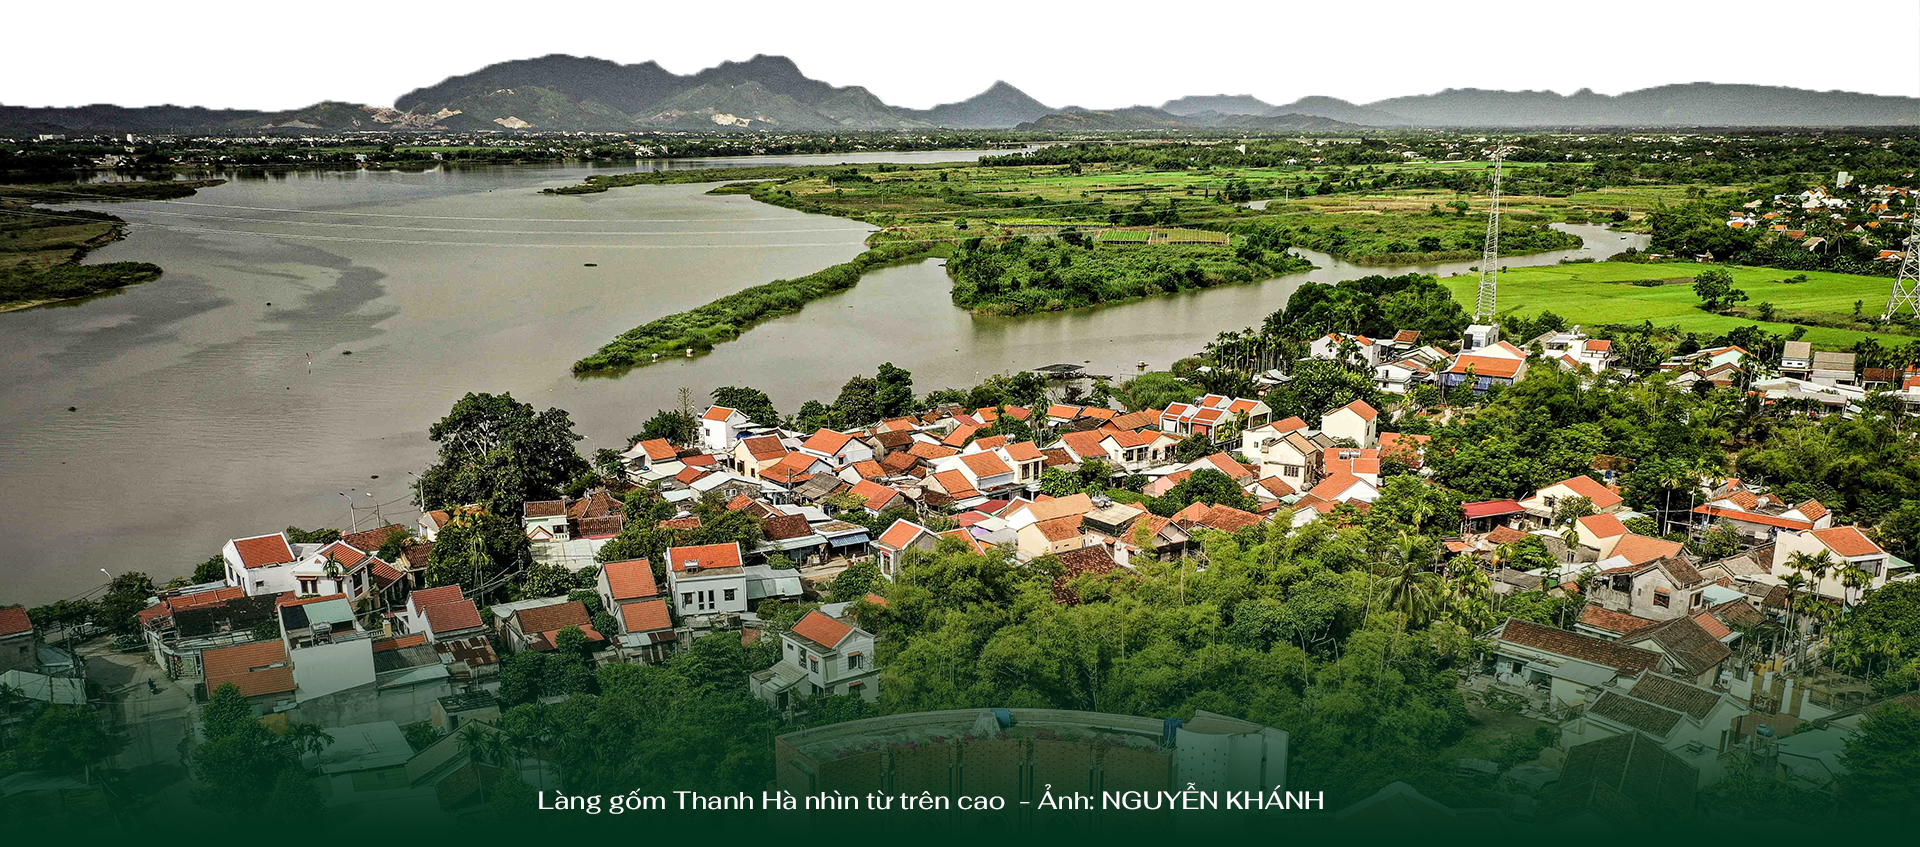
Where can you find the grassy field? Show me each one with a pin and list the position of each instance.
(1604, 293)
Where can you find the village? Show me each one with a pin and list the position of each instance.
(360, 633)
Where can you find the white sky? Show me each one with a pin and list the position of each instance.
(281, 56)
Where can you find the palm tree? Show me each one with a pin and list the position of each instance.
(1854, 578)
(1793, 582)
(479, 745)
(1409, 587)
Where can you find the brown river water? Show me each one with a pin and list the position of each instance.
(198, 417)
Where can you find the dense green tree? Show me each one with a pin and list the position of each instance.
(476, 550)
(858, 403)
(1882, 759)
(1154, 390)
(65, 740)
(752, 402)
(671, 424)
(893, 391)
(499, 453)
(1205, 485)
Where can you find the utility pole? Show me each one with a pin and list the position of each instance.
(1906, 286)
(1484, 305)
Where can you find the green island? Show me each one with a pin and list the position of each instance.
(41, 248)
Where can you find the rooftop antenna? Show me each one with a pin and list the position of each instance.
(1483, 306)
(1906, 286)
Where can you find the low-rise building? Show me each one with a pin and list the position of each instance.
(820, 655)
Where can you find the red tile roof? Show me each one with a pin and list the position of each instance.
(719, 413)
(826, 441)
(13, 620)
(1491, 508)
(1812, 509)
(429, 596)
(1574, 645)
(985, 464)
(1751, 517)
(1848, 541)
(1618, 623)
(645, 616)
(555, 617)
(765, 447)
(452, 617)
(1585, 486)
(930, 451)
(249, 667)
(370, 540)
(708, 556)
(902, 533)
(874, 495)
(1504, 534)
(630, 579)
(263, 550)
(1641, 549)
(1487, 366)
(1361, 408)
(544, 508)
(1603, 526)
(821, 629)
(659, 449)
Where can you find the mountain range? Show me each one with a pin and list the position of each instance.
(772, 94)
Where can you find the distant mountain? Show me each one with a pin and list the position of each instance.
(1226, 104)
(1079, 120)
(771, 93)
(1340, 110)
(1148, 119)
(998, 107)
(1691, 104)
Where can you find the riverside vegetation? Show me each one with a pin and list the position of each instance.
(1075, 225)
(41, 248)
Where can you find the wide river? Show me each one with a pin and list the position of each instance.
(312, 325)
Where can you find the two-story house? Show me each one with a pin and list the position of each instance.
(1847, 550)
(707, 580)
(820, 655)
(1664, 587)
(442, 613)
(1357, 422)
(720, 428)
(756, 453)
(1215, 416)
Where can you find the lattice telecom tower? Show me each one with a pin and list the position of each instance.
(1906, 286)
(1483, 307)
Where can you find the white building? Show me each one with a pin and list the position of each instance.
(820, 655)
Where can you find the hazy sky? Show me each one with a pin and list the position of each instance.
(278, 55)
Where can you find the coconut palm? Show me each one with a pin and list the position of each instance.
(479, 745)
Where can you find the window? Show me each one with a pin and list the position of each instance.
(309, 586)
(813, 663)
(1291, 470)
(853, 661)
(729, 594)
(1661, 599)
(686, 598)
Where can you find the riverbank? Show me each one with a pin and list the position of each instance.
(41, 248)
(698, 330)
(1005, 264)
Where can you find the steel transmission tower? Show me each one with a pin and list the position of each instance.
(1906, 286)
(1483, 307)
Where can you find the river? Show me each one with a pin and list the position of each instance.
(197, 417)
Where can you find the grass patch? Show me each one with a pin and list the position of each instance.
(1599, 293)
